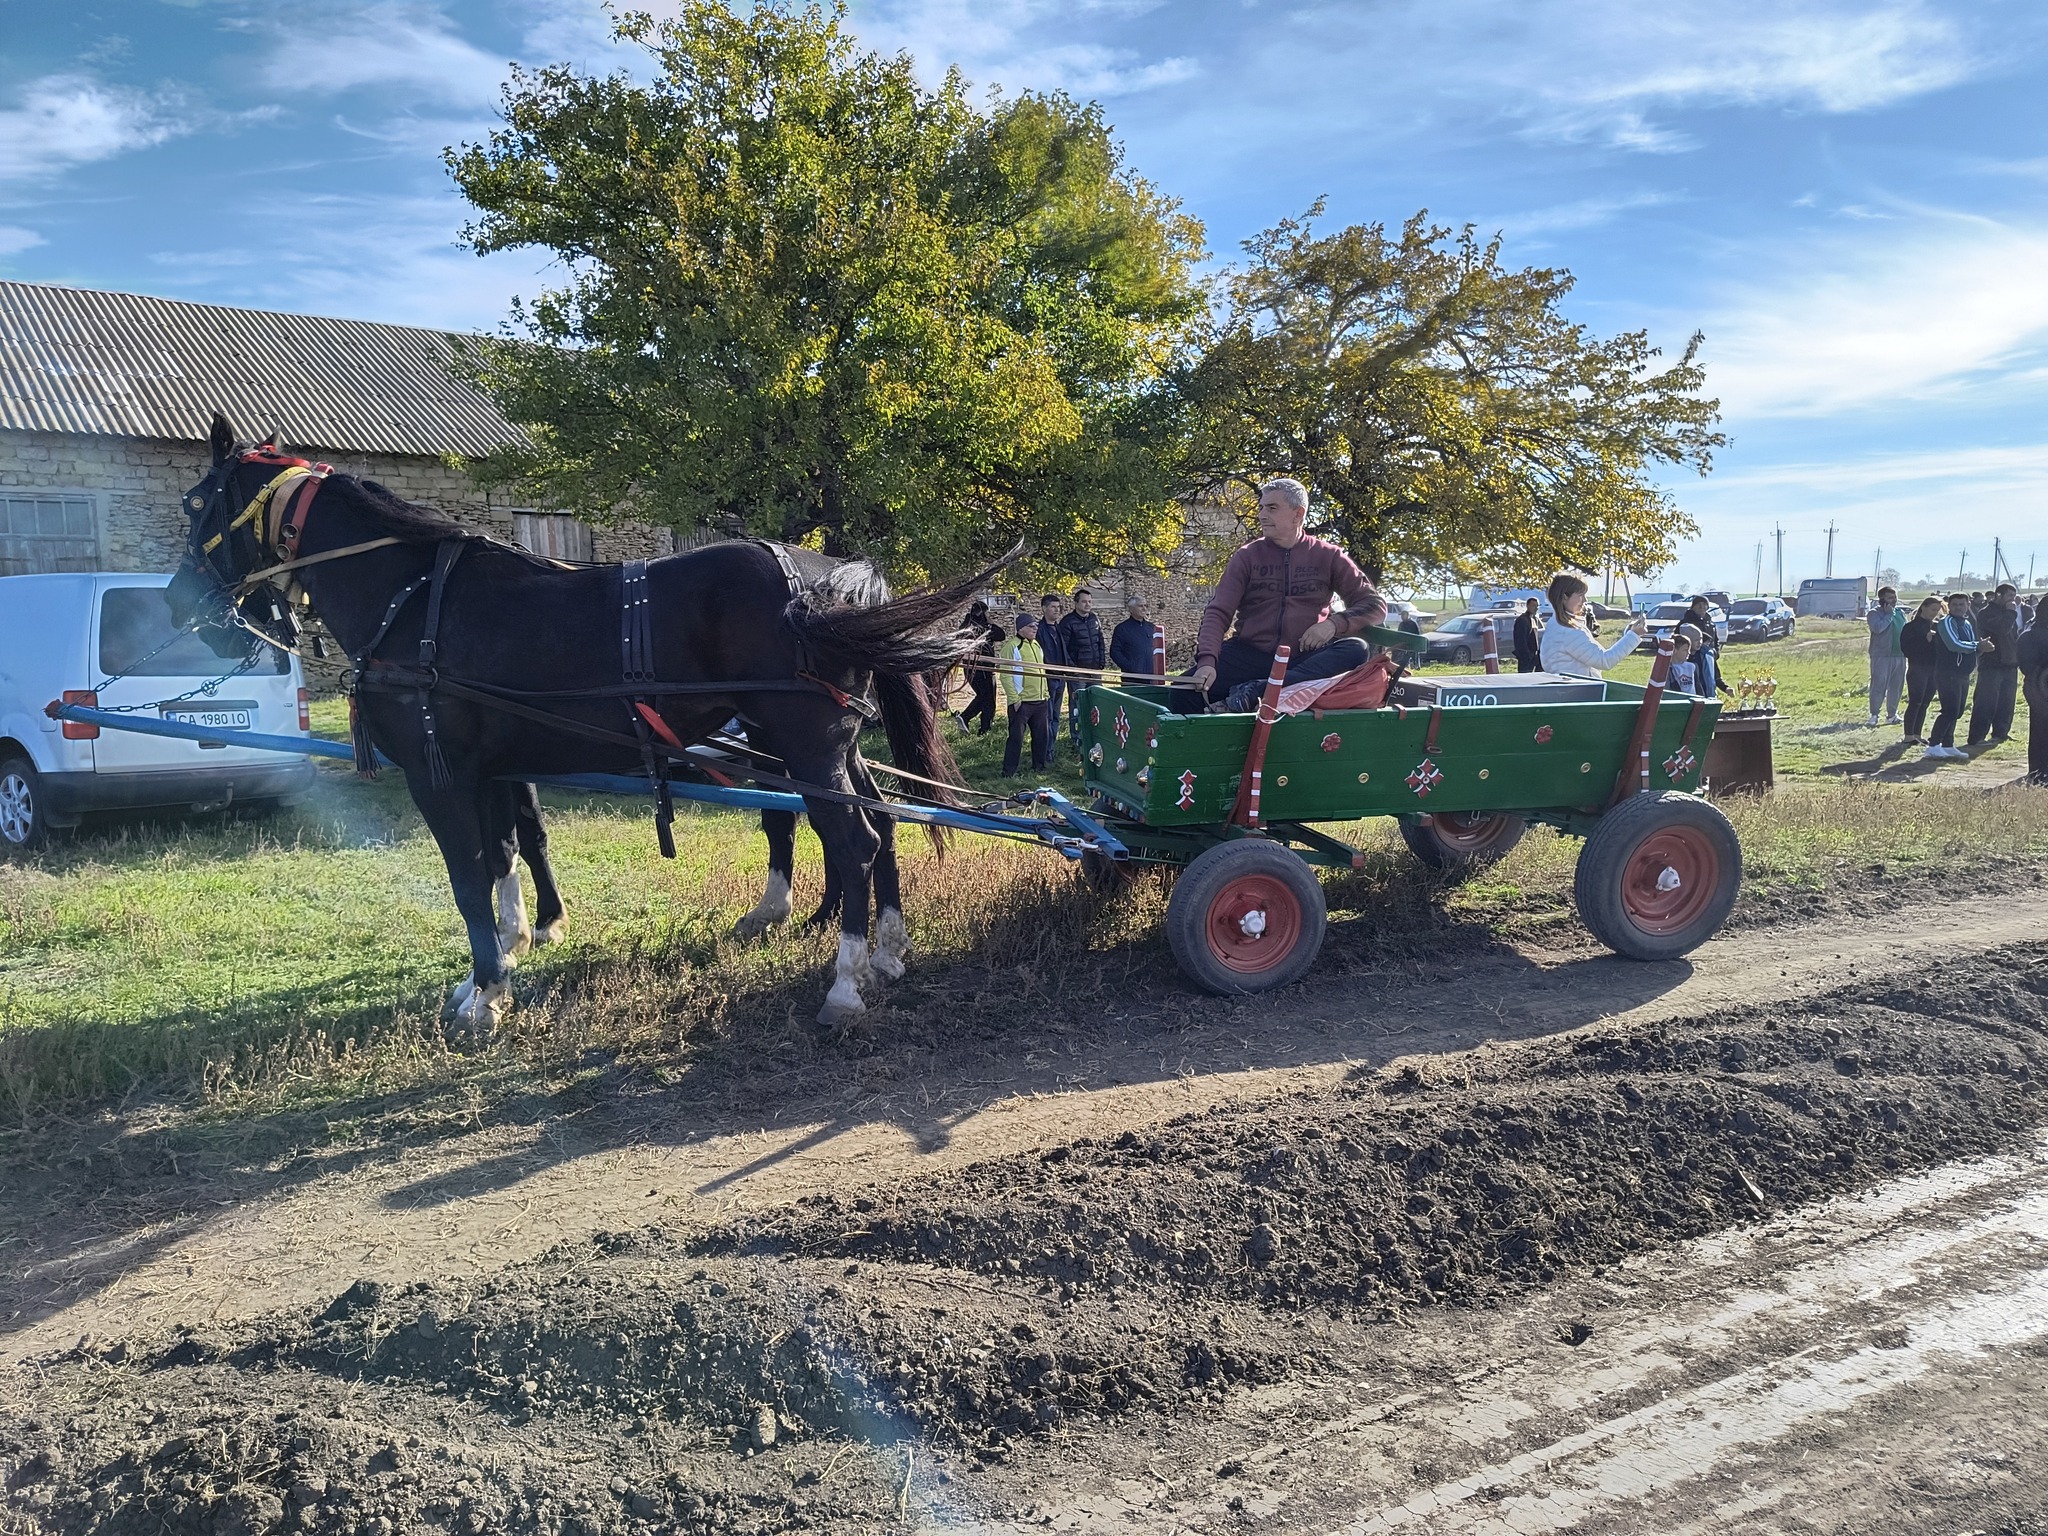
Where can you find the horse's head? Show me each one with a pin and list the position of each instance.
(225, 546)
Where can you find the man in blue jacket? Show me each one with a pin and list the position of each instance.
(1130, 643)
(1958, 648)
(1082, 646)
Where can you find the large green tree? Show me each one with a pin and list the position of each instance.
(808, 295)
(1444, 412)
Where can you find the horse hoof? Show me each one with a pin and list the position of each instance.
(752, 926)
(838, 1021)
(477, 1017)
(886, 968)
(548, 933)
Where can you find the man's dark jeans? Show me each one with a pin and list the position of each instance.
(1242, 663)
(1998, 689)
(1955, 690)
(1055, 691)
(1038, 717)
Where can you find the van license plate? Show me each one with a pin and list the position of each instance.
(213, 719)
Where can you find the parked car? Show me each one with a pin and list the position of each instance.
(1761, 618)
(1598, 609)
(1461, 642)
(1720, 600)
(1399, 609)
(1668, 616)
(106, 639)
(1649, 602)
(1840, 597)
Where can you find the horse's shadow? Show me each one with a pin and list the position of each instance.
(950, 1046)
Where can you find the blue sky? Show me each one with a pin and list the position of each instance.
(1850, 197)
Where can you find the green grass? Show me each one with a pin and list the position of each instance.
(306, 957)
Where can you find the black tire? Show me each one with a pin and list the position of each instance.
(1630, 855)
(1211, 940)
(1462, 656)
(1459, 840)
(24, 823)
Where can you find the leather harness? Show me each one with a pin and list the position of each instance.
(282, 511)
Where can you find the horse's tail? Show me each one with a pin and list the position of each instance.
(915, 742)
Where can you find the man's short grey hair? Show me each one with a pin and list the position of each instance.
(1295, 492)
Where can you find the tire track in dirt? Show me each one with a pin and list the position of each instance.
(473, 1204)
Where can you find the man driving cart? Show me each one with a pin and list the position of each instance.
(1278, 589)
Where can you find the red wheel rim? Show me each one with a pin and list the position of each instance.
(1254, 923)
(1468, 831)
(1671, 879)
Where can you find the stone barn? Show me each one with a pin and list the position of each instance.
(105, 400)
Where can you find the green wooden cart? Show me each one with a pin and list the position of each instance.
(1234, 802)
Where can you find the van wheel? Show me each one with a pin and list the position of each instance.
(23, 823)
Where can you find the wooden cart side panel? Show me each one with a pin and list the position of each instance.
(1357, 763)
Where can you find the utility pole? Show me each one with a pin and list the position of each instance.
(1830, 571)
(1778, 532)
(1758, 589)
(1962, 565)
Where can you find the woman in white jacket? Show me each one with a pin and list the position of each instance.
(1566, 646)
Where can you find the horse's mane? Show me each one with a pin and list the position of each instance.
(409, 524)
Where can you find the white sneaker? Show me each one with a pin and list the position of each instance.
(1932, 753)
(1873, 722)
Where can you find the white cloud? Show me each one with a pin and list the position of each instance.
(1022, 44)
(1910, 310)
(68, 120)
(14, 239)
(409, 47)
(1581, 213)
(1603, 69)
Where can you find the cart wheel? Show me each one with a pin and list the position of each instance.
(1658, 875)
(1462, 839)
(1246, 917)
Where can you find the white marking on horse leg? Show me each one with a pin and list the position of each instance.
(515, 935)
(771, 911)
(459, 998)
(549, 933)
(844, 1001)
(892, 943)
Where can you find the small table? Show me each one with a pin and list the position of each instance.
(1739, 756)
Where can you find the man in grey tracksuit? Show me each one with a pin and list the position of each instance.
(1887, 661)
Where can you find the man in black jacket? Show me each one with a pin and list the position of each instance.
(1130, 643)
(1998, 668)
(1529, 638)
(1081, 645)
(2033, 659)
(1054, 657)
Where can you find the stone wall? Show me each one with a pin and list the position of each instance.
(138, 483)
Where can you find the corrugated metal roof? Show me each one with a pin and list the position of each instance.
(125, 365)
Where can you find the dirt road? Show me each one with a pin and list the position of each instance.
(1556, 1243)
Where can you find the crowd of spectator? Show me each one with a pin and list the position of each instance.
(1996, 641)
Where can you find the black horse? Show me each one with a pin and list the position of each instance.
(476, 663)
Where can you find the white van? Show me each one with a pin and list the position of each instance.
(64, 635)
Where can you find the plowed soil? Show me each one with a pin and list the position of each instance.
(913, 1352)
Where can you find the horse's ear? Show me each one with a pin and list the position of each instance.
(222, 437)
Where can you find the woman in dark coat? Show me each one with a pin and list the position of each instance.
(1917, 643)
(981, 678)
